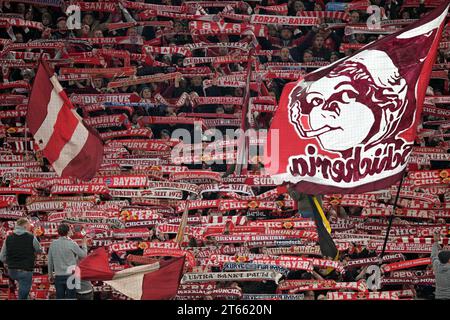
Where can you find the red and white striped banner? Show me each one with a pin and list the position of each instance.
(71, 148)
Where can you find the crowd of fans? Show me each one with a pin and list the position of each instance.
(29, 185)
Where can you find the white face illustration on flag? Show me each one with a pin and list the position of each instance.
(359, 102)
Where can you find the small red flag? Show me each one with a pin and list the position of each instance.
(155, 281)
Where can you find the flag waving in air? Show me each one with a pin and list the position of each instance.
(351, 125)
(72, 148)
(155, 281)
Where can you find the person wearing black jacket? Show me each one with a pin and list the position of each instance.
(19, 253)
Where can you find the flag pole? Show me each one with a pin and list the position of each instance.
(26, 139)
(391, 217)
(241, 159)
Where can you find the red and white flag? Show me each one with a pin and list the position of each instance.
(351, 125)
(72, 148)
(155, 281)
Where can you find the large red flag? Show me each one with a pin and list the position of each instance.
(155, 281)
(71, 147)
(95, 267)
(349, 127)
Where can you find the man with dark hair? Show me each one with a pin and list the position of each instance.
(441, 267)
(19, 253)
(63, 256)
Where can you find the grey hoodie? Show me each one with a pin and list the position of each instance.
(442, 274)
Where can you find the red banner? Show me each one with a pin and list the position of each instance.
(332, 153)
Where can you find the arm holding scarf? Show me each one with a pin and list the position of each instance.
(130, 18)
(80, 252)
(297, 52)
(362, 274)
(50, 264)
(36, 245)
(316, 275)
(3, 253)
(435, 251)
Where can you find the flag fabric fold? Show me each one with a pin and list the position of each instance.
(95, 267)
(327, 246)
(155, 281)
(72, 148)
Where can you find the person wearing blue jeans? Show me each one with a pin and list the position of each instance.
(25, 279)
(18, 254)
(63, 256)
(62, 288)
